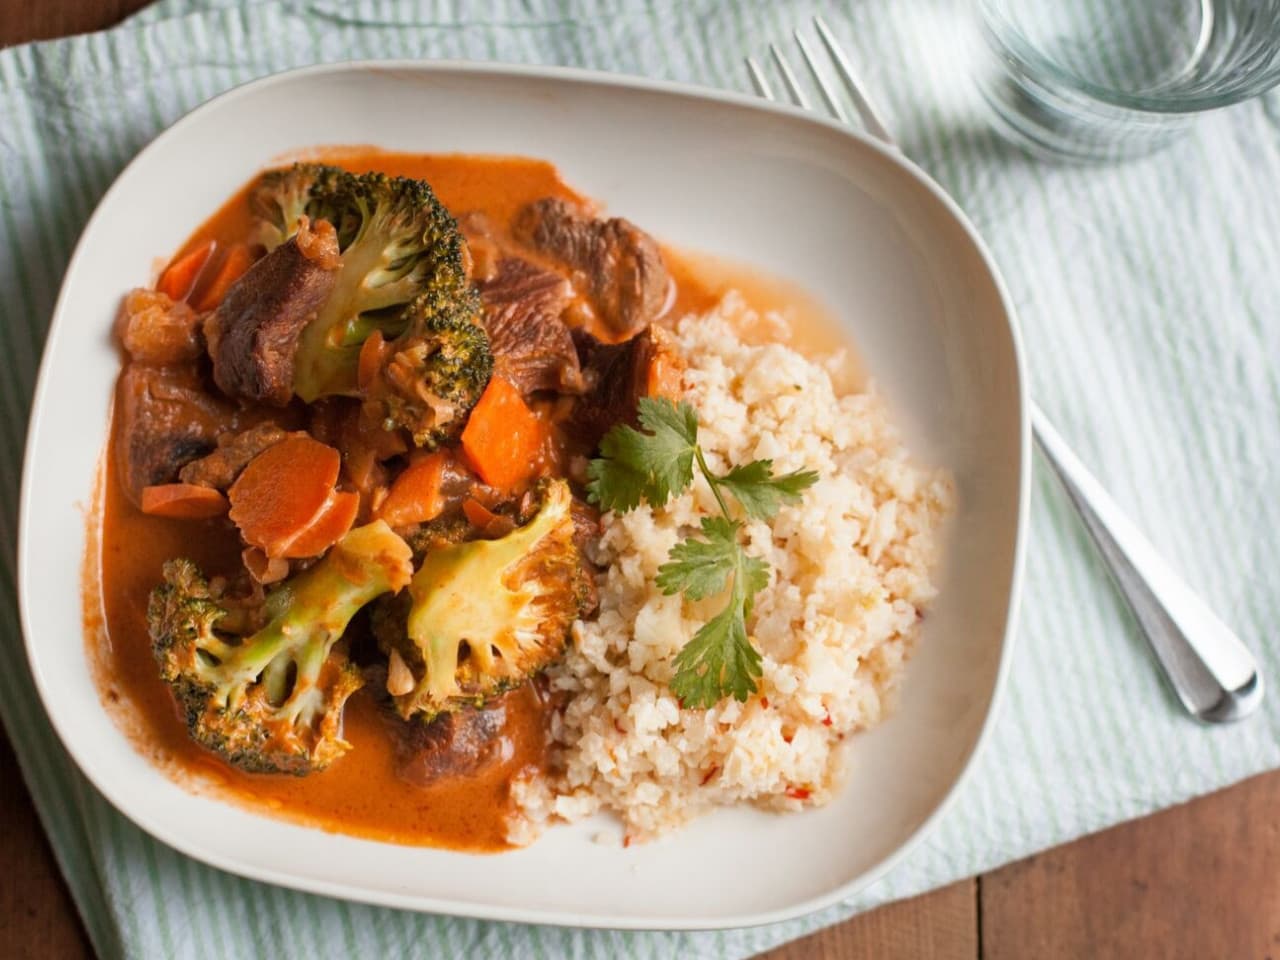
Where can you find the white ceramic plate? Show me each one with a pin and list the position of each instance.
(847, 219)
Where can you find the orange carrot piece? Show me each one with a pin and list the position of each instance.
(184, 501)
(665, 375)
(329, 527)
(477, 514)
(282, 491)
(415, 495)
(179, 278)
(504, 439)
(234, 263)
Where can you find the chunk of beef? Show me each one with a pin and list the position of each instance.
(531, 345)
(625, 278)
(166, 421)
(253, 335)
(618, 375)
(458, 744)
(157, 329)
(220, 468)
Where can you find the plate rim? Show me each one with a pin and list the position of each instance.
(434, 904)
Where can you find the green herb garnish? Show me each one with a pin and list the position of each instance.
(654, 464)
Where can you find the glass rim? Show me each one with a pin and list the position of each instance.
(1010, 41)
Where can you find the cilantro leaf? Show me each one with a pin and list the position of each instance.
(718, 660)
(652, 466)
(761, 493)
(669, 453)
(701, 568)
(655, 463)
(617, 480)
(753, 573)
(659, 414)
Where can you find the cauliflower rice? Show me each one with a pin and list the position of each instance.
(850, 576)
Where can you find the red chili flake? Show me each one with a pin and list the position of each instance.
(798, 793)
(715, 768)
(788, 737)
(617, 726)
(764, 702)
(826, 721)
(626, 840)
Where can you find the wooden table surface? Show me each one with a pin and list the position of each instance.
(1199, 881)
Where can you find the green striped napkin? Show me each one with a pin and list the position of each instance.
(1148, 292)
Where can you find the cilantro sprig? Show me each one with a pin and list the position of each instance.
(654, 464)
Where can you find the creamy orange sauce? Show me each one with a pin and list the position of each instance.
(360, 793)
(786, 312)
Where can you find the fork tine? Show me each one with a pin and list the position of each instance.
(758, 81)
(789, 79)
(875, 126)
(833, 105)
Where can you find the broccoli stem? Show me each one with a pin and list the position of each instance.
(314, 609)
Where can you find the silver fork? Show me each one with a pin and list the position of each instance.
(1212, 673)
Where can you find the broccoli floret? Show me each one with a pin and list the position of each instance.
(399, 246)
(281, 197)
(402, 275)
(487, 614)
(271, 701)
(433, 374)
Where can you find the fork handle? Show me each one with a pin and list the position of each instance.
(1210, 670)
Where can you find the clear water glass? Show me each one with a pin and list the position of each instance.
(1104, 79)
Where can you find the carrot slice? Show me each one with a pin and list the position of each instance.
(415, 495)
(477, 514)
(665, 375)
(503, 439)
(179, 278)
(234, 263)
(185, 501)
(282, 491)
(328, 528)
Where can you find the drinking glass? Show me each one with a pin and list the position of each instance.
(1103, 79)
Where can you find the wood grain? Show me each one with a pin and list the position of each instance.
(1197, 881)
(937, 926)
(37, 917)
(23, 20)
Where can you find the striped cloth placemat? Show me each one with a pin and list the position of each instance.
(1149, 296)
